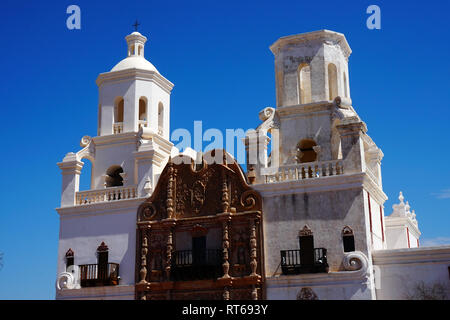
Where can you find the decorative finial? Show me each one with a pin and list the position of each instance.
(135, 25)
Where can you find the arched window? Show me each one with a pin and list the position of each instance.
(160, 118)
(118, 110)
(113, 177)
(345, 86)
(70, 256)
(305, 151)
(348, 239)
(304, 81)
(332, 81)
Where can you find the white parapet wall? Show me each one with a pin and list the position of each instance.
(411, 273)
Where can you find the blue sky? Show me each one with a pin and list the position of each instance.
(217, 55)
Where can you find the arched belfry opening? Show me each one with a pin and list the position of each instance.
(304, 83)
(113, 176)
(143, 112)
(160, 118)
(118, 110)
(118, 115)
(305, 151)
(332, 81)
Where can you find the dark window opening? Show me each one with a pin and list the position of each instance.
(199, 250)
(306, 242)
(113, 177)
(102, 261)
(348, 239)
(70, 258)
(305, 151)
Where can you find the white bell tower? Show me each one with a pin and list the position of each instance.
(134, 94)
(127, 156)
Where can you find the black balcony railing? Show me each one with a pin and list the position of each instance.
(196, 265)
(291, 262)
(95, 275)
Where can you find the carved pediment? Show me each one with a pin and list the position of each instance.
(186, 190)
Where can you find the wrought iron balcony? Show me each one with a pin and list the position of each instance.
(291, 262)
(196, 265)
(95, 275)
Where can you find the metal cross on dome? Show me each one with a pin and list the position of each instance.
(135, 25)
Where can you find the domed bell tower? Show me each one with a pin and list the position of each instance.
(134, 94)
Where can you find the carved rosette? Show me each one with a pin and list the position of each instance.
(249, 199)
(307, 294)
(148, 212)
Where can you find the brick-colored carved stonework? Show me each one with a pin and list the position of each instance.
(199, 235)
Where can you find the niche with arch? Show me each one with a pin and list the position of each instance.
(118, 110)
(332, 81)
(304, 83)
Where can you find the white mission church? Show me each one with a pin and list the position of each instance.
(305, 222)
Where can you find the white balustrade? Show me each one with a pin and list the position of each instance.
(118, 127)
(310, 170)
(105, 195)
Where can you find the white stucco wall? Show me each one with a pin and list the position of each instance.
(402, 270)
(112, 223)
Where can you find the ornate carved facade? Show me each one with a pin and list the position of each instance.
(199, 235)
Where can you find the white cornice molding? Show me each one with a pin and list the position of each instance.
(322, 184)
(108, 292)
(341, 182)
(411, 255)
(100, 208)
(302, 110)
(135, 74)
(119, 138)
(321, 35)
(402, 222)
(317, 279)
